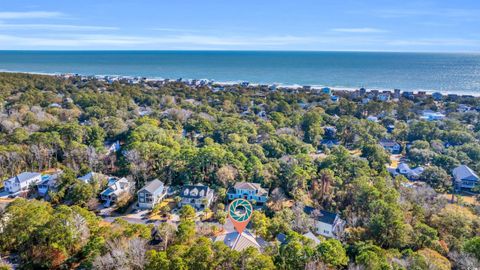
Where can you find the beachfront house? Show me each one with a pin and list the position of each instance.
(151, 194)
(391, 146)
(437, 96)
(464, 177)
(22, 182)
(327, 224)
(252, 192)
(116, 189)
(197, 196)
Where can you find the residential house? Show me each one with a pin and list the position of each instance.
(151, 194)
(22, 182)
(116, 189)
(330, 143)
(327, 224)
(391, 146)
(405, 170)
(241, 241)
(49, 182)
(249, 191)
(197, 196)
(383, 97)
(465, 178)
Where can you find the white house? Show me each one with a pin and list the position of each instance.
(248, 191)
(197, 196)
(22, 181)
(116, 189)
(326, 223)
(151, 194)
(465, 177)
(405, 170)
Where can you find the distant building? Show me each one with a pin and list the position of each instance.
(327, 223)
(116, 189)
(383, 97)
(372, 119)
(363, 91)
(151, 194)
(396, 93)
(391, 146)
(197, 196)
(248, 191)
(437, 96)
(408, 95)
(334, 98)
(22, 182)
(429, 115)
(465, 178)
(327, 90)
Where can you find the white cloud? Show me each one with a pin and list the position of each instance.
(54, 27)
(359, 30)
(119, 41)
(30, 15)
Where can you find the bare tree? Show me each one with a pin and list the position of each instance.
(123, 254)
(166, 231)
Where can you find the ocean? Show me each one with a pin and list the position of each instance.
(445, 72)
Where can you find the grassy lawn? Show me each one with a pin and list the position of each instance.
(170, 202)
(468, 199)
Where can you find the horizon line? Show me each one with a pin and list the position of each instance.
(231, 50)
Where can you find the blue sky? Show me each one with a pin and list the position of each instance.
(347, 25)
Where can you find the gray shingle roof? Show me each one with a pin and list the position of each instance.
(25, 176)
(464, 172)
(237, 241)
(152, 186)
(250, 186)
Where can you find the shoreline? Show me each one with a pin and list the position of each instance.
(230, 83)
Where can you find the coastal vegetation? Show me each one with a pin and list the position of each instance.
(186, 134)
